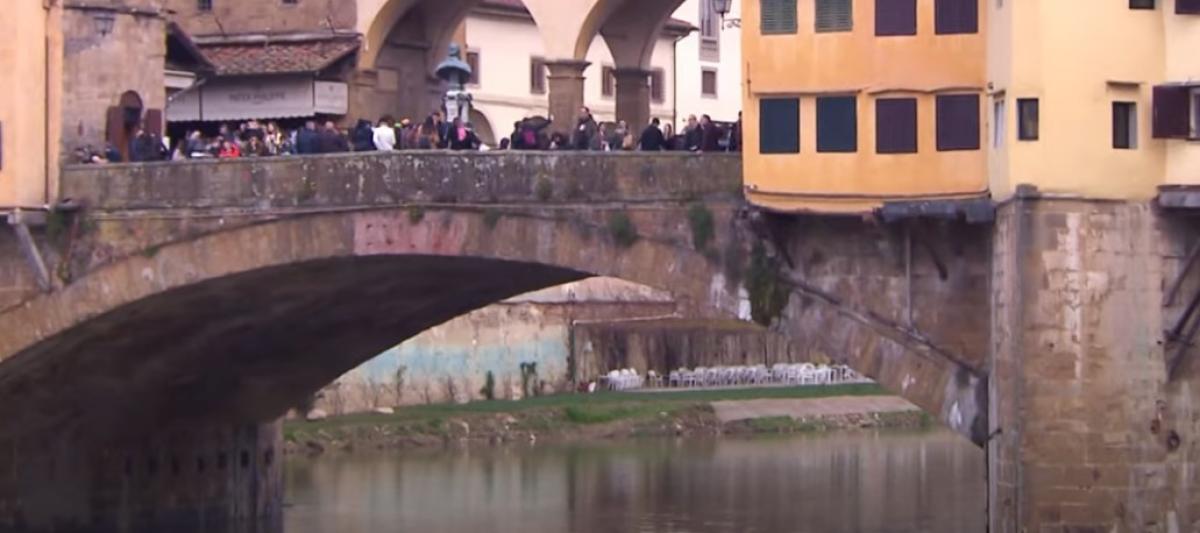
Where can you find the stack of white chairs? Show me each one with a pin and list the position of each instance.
(791, 374)
(624, 379)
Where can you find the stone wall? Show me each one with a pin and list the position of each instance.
(1090, 432)
(450, 362)
(663, 345)
(98, 69)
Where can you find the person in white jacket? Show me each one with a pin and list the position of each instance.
(385, 135)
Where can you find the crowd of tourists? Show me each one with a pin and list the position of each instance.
(258, 139)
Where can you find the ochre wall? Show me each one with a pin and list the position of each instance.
(809, 64)
(23, 102)
(1183, 41)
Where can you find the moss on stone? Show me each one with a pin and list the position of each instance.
(621, 227)
(544, 189)
(768, 294)
(491, 217)
(416, 214)
(701, 221)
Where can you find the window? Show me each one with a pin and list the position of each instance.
(708, 82)
(896, 126)
(1196, 113)
(1187, 7)
(608, 81)
(779, 126)
(835, 15)
(204, 5)
(657, 90)
(537, 75)
(290, 2)
(778, 17)
(1141, 4)
(1124, 125)
(956, 16)
(837, 124)
(999, 120)
(710, 32)
(895, 17)
(473, 62)
(957, 122)
(1027, 119)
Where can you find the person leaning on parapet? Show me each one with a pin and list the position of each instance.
(693, 134)
(331, 141)
(384, 135)
(307, 139)
(710, 135)
(652, 139)
(586, 130)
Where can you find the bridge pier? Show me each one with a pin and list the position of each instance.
(184, 478)
(1089, 431)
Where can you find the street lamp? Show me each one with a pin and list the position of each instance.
(723, 7)
(103, 23)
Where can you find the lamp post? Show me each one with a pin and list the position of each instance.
(103, 23)
(723, 7)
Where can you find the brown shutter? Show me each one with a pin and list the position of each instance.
(956, 16)
(153, 121)
(115, 133)
(778, 17)
(895, 17)
(1187, 7)
(1171, 120)
(834, 15)
(957, 122)
(896, 125)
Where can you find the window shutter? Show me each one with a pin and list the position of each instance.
(778, 16)
(895, 17)
(957, 122)
(1187, 7)
(779, 126)
(956, 16)
(1171, 120)
(837, 124)
(835, 15)
(896, 125)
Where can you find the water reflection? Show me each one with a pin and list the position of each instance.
(861, 482)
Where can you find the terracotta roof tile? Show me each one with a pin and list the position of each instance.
(281, 57)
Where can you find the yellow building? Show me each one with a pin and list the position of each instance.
(848, 108)
(30, 60)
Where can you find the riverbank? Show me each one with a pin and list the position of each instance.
(609, 416)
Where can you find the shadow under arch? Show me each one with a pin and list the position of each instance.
(237, 326)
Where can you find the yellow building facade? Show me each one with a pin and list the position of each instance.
(960, 99)
(30, 56)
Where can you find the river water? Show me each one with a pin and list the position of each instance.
(866, 482)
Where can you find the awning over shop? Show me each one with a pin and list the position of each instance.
(260, 97)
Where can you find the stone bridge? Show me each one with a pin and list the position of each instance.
(189, 305)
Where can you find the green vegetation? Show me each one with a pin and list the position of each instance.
(621, 227)
(768, 294)
(308, 190)
(416, 214)
(544, 189)
(558, 412)
(489, 387)
(529, 380)
(701, 221)
(491, 217)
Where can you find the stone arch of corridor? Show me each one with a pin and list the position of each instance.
(410, 37)
(238, 326)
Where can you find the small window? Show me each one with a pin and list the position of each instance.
(204, 5)
(290, 2)
(837, 124)
(473, 62)
(834, 15)
(708, 82)
(657, 89)
(778, 17)
(1124, 125)
(608, 81)
(896, 126)
(1141, 4)
(957, 122)
(537, 75)
(1187, 7)
(999, 120)
(895, 17)
(779, 126)
(1028, 112)
(1196, 113)
(956, 16)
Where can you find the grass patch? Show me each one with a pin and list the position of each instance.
(701, 221)
(416, 214)
(621, 227)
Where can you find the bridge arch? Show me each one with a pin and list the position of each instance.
(237, 326)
